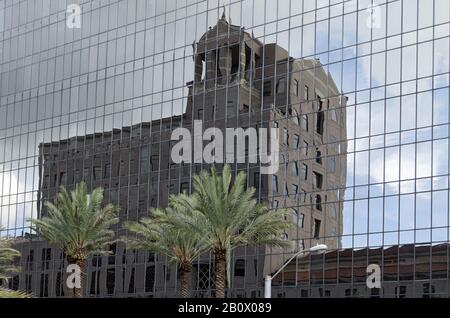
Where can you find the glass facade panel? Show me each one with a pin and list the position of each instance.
(357, 93)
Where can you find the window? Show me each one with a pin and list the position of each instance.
(28, 286)
(166, 270)
(200, 113)
(281, 86)
(275, 204)
(267, 89)
(320, 118)
(304, 122)
(294, 116)
(295, 190)
(317, 228)
(294, 168)
(95, 283)
(106, 170)
(239, 268)
(43, 292)
(275, 183)
(256, 180)
(304, 196)
(334, 145)
(296, 142)
(318, 156)
(62, 178)
(144, 156)
(305, 148)
(298, 218)
(30, 260)
(149, 278)
(318, 202)
(97, 172)
(428, 290)
(131, 289)
(255, 268)
(184, 187)
(59, 289)
(112, 254)
(301, 247)
(285, 136)
(400, 292)
(46, 257)
(375, 293)
(154, 162)
(304, 172)
(295, 88)
(110, 280)
(351, 292)
(85, 173)
(301, 222)
(294, 216)
(306, 93)
(245, 108)
(318, 180)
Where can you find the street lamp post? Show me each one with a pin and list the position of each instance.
(268, 278)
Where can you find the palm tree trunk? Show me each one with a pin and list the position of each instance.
(220, 264)
(78, 292)
(185, 274)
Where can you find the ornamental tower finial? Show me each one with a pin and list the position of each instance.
(224, 17)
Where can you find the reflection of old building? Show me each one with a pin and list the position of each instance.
(238, 82)
(406, 271)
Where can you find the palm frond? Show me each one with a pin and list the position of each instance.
(226, 214)
(77, 222)
(164, 233)
(7, 255)
(8, 293)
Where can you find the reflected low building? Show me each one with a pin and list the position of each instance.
(406, 271)
(238, 83)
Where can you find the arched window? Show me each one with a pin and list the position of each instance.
(294, 116)
(281, 85)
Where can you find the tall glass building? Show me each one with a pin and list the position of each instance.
(358, 94)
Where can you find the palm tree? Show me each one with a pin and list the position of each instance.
(79, 225)
(7, 255)
(157, 234)
(227, 216)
